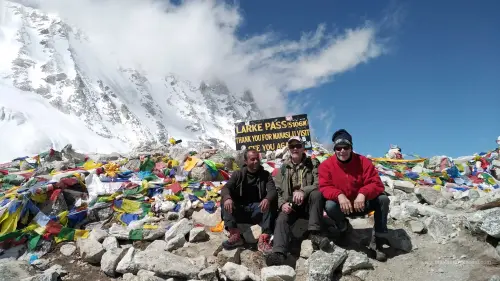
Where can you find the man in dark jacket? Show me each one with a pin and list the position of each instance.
(247, 198)
(351, 185)
(299, 198)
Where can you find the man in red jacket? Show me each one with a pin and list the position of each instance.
(351, 186)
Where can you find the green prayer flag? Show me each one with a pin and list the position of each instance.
(33, 242)
(135, 234)
(66, 234)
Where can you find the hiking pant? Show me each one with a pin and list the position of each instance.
(380, 205)
(248, 214)
(311, 209)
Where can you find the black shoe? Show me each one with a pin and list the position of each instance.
(274, 259)
(377, 246)
(319, 241)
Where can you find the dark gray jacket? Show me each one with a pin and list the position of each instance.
(233, 189)
(308, 173)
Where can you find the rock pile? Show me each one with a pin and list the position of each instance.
(156, 216)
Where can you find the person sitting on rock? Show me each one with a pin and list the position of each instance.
(299, 198)
(247, 198)
(352, 187)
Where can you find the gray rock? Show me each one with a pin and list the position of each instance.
(158, 245)
(126, 264)
(356, 261)
(110, 243)
(13, 270)
(441, 202)
(494, 278)
(208, 274)
(306, 249)
(181, 227)
(130, 277)
(46, 276)
(67, 249)
(199, 262)
(146, 275)
(405, 186)
(165, 264)
(58, 269)
(428, 194)
(176, 242)
(474, 220)
(226, 256)
(362, 274)
(272, 273)
(235, 272)
(322, 264)
(417, 226)
(253, 260)
(91, 250)
(110, 260)
(440, 228)
(424, 210)
(205, 218)
(491, 225)
(198, 234)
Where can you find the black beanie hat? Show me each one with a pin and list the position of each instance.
(341, 137)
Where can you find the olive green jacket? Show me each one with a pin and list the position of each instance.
(308, 169)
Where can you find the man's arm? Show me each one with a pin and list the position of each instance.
(309, 188)
(373, 185)
(230, 186)
(326, 186)
(272, 194)
(279, 187)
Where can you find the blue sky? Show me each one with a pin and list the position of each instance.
(435, 90)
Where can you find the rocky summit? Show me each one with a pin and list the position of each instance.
(155, 215)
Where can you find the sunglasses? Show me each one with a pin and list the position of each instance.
(298, 146)
(339, 148)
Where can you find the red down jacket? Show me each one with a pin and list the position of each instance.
(357, 176)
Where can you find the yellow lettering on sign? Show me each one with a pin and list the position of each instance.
(256, 147)
(281, 145)
(249, 129)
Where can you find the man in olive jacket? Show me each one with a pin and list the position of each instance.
(248, 197)
(299, 198)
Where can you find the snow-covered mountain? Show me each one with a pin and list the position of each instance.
(54, 90)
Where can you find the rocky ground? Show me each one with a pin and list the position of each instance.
(434, 235)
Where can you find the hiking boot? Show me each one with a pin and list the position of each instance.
(377, 246)
(264, 244)
(274, 259)
(319, 241)
(234, 240)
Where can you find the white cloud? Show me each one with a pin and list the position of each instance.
(198, 40)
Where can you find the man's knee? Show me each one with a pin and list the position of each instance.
(315, 196)
(332, 206)
(383, 200)
(282, 219)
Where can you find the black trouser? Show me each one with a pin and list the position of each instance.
(380, 205)
(311, 209)
(249, 213)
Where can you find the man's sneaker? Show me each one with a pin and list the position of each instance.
(264, 244)
(319, 241)
(274, 259)
(234, 240)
